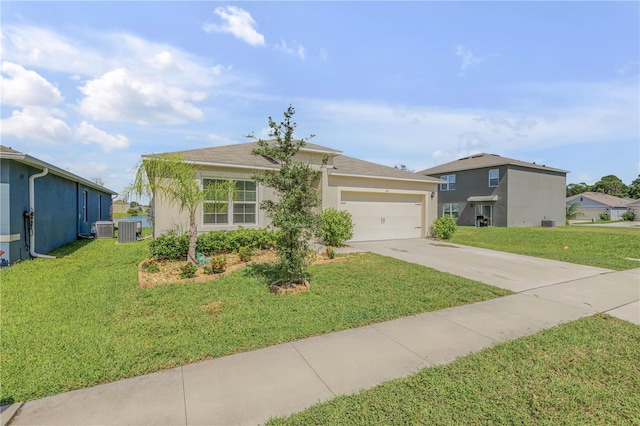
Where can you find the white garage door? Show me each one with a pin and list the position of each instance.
(378, 216)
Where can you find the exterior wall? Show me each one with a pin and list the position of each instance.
(535, 195)
(635, 208)
(471, 183)
(167, 216)
(57, 219)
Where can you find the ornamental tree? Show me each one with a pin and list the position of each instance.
(292, 210)
(170, 178)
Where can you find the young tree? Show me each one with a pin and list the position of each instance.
(168, 177)
(295, 184)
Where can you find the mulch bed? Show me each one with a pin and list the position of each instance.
(169, 271)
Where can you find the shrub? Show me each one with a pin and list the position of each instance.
(337, 226)
(444, 227)
(170, 246)
(628, 215)
(218, 242)
(605, 216)
(150, 266)
(217, 266)
(188, 270)
(331, 253)
(245, 253)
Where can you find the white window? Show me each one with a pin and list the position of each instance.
(99, 206)
(85, 202)
(494, 177)
(450, 185)
(223, 210)
(450, 210)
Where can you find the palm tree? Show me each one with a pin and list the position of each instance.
(170, 178)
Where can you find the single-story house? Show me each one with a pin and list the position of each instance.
(592, 204)
(43, 207)
(490, 190)
(384, 202)
(634, 207)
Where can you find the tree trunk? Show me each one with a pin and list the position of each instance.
(193, 237)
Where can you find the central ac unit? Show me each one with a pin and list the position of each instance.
(128, 231)
(104, 229)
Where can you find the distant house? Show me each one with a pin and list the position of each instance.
(120, 206)
(490, 190)
(634, 207)
(592, 204)
(43, 207)
(384, 202)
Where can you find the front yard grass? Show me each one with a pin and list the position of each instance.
(82, 319)
(604, 247)
(581, 373)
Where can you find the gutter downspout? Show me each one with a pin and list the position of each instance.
(32, 203)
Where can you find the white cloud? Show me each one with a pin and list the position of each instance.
(88, 133)
(22, 87)
(468, 58)
(238, 22)
(425, 136)
(120, 96)
(38, 124)
(323, 54)
(294, 49)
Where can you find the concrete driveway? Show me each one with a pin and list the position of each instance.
(506, 270)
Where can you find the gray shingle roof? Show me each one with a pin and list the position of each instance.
(599, 197)
(240, 155)
(482, 160)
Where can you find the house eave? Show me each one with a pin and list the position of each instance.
(32, 161)
(435, 181)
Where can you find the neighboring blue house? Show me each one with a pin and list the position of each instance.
(43, 207)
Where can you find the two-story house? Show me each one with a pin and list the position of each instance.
(490, 190)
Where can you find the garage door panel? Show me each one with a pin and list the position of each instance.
(384, 216)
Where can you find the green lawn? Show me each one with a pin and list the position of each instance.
(580, 373)
(81, 319)
(605, 247)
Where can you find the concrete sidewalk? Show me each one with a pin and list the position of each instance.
(251, 387)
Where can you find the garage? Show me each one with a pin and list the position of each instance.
(383, 216)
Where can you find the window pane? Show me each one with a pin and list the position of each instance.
(244, 213)
(216, 213)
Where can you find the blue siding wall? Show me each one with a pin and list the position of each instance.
(57, 217)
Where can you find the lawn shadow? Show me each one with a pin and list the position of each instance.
(266, 272)
(70, 248)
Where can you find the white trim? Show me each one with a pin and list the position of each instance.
(482, 198)
(435, 180)
(342, 189)
(320, 151)
(9, 238)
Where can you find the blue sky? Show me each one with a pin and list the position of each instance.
(90, 86)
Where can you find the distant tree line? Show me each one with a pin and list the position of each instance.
(610, 184)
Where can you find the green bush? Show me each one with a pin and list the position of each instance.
(605, 216)
(336, 226)
(218, 242)
(217, 266)
(444, 227)
(331, 253)
(188, 270)
(170, 246)
(628, 215)
(245, 253)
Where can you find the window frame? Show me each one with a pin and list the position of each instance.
(451, 183)
(451, 210)
(233, 202)
(497, 178)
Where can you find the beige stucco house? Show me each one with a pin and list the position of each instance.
(384, 202)
(592, 204)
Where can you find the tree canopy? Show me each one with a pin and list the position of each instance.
(610, 184)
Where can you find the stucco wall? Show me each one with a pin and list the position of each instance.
(534, 196)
